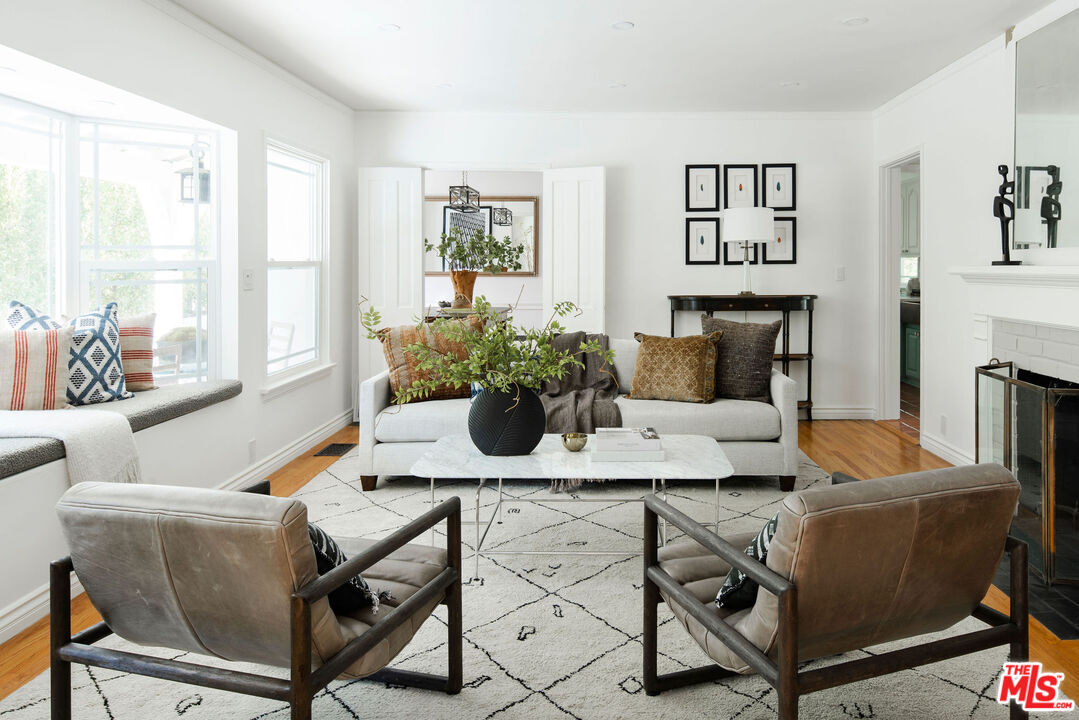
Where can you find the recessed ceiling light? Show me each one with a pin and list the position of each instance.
(789, 84)
(5, 68)
(616, 86)
(104, 102)
(855, 21)
(444, 86)
(623, 25)
(389, 27)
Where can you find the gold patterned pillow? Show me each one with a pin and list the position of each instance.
(402, 365)
(682, 369)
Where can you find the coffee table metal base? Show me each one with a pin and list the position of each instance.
(483, 528)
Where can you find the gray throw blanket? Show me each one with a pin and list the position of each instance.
(583, 399)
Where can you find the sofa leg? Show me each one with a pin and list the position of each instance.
(786, 483)
(368, 482)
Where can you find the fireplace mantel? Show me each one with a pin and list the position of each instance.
(1021, 275)
(1040, 294)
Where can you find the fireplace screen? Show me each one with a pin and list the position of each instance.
(1030, 424)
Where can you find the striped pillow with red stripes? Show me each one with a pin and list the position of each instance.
(137, 351)
(33, 368)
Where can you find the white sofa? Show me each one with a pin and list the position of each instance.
(758, 438)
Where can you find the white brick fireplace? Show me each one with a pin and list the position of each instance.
(1027, 314)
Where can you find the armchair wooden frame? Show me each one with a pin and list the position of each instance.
(303, 683)
(782, 673)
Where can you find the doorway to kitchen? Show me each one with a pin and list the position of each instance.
(901, 296)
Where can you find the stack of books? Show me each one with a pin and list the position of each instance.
(627, 445)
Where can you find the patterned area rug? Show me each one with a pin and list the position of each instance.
(545, 636)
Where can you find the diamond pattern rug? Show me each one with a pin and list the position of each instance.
(545, 636)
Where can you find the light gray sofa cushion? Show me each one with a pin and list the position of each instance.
(721, 419)
(422, 421)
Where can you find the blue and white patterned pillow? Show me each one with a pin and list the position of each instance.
(24, 317)
(95, 370)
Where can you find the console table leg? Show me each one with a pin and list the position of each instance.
(717, 507)
(476, 553)
(432, 505)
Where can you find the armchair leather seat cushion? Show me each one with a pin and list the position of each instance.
(702, 574)
(402, 573)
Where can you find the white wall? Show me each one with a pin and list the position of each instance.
(645, 155)
(167, 55)
(962, 121)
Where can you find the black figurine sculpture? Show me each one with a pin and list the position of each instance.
(1051, 205)
(1004, 210)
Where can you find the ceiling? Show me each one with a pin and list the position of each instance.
(564, 55)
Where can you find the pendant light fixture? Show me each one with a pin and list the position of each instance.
(502, 216)
(464, 198)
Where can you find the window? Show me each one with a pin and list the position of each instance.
(93, 212)
(148, 236)
(31, 156)
(296, 241)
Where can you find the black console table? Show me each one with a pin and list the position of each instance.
(786, 304)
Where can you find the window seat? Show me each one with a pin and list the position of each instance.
(146, 409)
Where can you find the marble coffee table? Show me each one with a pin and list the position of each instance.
(688, 457)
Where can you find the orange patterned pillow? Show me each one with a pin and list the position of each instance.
(682, 369)
(402, 365)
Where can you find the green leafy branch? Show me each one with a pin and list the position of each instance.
(477, 251)
(498, 354)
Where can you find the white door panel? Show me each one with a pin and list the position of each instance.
(574, 244)
(390, 273)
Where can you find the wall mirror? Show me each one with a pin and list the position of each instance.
(523, 229)
(1047, 136)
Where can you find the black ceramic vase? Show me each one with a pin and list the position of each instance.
(500, 424)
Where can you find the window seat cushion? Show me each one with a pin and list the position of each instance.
(144, 410)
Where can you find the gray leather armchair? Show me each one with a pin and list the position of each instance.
(851, 566)
(233, 575)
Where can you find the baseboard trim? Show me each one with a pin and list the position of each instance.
(287, 454)
(945, 450)
(27, 610)
(841, 413)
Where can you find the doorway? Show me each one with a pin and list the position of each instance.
(901, 296)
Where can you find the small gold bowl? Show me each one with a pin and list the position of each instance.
(574, 442)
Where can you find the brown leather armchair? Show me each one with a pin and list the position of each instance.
(233, 575)
(850, 566)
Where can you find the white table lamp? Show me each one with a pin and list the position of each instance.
(747, 226)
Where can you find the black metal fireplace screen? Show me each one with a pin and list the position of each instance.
(1030, 424)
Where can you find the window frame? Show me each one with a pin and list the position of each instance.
(82, 270)
(286, 378)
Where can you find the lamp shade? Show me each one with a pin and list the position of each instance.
(755, 224)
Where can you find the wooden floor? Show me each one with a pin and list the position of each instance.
(909, 422)
(861, 448)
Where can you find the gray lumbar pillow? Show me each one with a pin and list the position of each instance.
(744, 365)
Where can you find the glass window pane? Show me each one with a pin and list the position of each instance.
(180, 300)
(30, 158)
(138, 208)
(292, 312)
(293, 206)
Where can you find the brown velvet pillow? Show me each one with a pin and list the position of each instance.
(744, 367)
(682, 369)
(402, 365)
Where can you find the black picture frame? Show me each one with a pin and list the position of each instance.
(792, 238)
(754, 255)
(690, 240)
(714, 205)
(727, 184)
(485, 212)
(767, 186)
